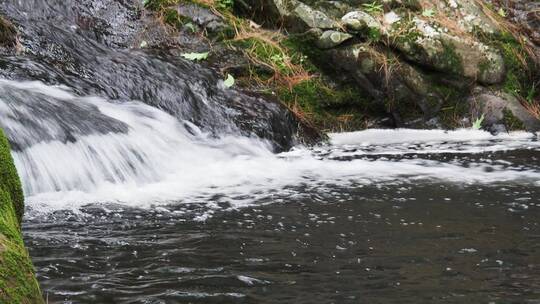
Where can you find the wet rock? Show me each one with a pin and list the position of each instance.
(501, 109)
(101, 56)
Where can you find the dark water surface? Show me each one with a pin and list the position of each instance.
(422, 242)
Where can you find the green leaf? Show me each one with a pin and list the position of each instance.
(428, 13)
(373, 7)
(502, 12)
(191, 27)
(229, 82)
(195, 56)
(478, 123)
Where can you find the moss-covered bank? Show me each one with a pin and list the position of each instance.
(17, 279)
(347, 65)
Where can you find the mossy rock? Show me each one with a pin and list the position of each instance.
(9, 180)
(8, 33)
(18, 283)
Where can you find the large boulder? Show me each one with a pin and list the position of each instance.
(437, 48)
(400, 87)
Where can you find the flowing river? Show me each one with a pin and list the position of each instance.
(148, 181)
(127, 204)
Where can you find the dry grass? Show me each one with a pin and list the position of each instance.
(305, 116)
(533, 108)
(388, 66)
(514, 30)
(267, 50)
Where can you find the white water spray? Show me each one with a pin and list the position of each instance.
(160, 160)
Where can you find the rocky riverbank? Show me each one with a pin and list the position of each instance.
(337, 65)
(343, 65)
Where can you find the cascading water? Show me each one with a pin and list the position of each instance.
(123, 200)
(147, 181)
(84, 150)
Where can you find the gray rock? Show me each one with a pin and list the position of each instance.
(299, 16)
(330, 39)
(501, 109)
(358, 21)
(446, 52)
(201, 16)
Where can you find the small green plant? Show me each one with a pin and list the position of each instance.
(280, 60)
(478, 122)
(195, 56)
(373, 7)
(428, 13)
(190, 26)
(224, 4)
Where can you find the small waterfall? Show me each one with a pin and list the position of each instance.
(67, 143)
(72, 150)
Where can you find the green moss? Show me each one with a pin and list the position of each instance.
(224, 4)
(325, 106)
(454, 106)
(9, 180)
(521, 71)
(157, 5)
(515, 76)
(511, 122)
(406, 33)
(374, 34)
(17, 280)
(451, 60)
(174, 19)
(331, 109)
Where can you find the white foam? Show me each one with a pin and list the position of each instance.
(158, 162)
(410, 136)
